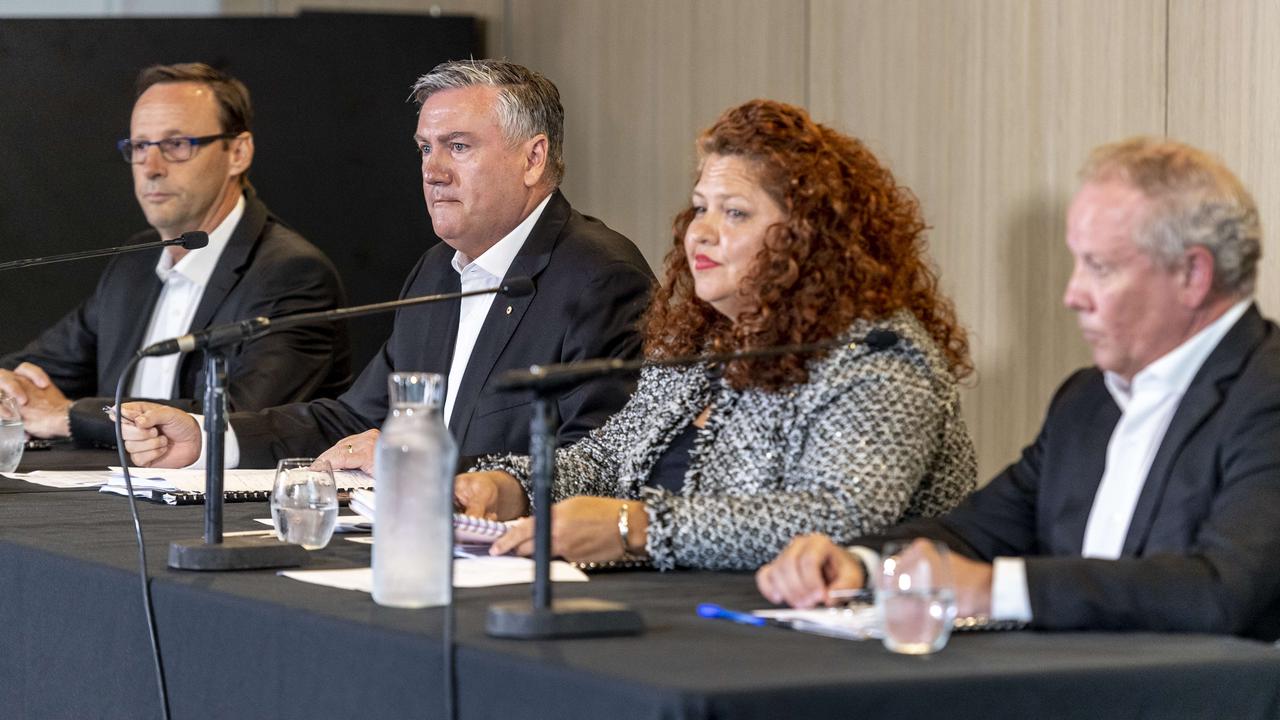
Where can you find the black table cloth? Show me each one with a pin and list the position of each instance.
(251, 644)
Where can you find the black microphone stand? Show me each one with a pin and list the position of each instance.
(214, 552)
(541, 617)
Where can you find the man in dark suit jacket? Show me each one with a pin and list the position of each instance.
(1151, 497)
(491, 191)
(190, 149)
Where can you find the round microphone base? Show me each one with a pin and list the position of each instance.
(235, 553)
(576, 617)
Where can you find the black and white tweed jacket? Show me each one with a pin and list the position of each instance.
(872, 438)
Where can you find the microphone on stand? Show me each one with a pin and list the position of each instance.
(562, 376)
(540, 617)
(212, 551)
(231, 333)
(193, 240)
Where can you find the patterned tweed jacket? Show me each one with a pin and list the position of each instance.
(872, 438)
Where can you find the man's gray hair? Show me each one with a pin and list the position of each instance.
(1195, 200)
(528, 103)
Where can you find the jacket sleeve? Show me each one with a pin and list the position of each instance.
(68, 350)
(603, 323)
(589, 466)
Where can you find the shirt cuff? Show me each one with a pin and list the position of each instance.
(870, 564)
(1010, 598)
(230, 446)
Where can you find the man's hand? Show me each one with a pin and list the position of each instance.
(807, 570)
(160, 436)
(583, 529)
(972, 579)
(353, 451)
(44, 409)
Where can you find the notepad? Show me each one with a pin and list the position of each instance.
(467, 529)
(186, 486)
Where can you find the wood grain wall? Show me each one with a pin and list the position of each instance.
(986, 108)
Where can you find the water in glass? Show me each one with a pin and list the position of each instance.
(304, 502)
(915, 598)
(12, 437)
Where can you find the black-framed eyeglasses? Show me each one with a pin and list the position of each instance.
(173, 149)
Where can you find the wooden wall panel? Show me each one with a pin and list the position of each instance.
(1224, 96)
(639, 79)
(986, 109)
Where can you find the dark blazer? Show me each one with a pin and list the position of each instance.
(591, 287)
(1201, 551)
(265, 269)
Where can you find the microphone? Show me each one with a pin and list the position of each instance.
(193, 240)
(548, 379)
(236, 332)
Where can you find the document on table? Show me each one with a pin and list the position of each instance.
(343, 524)
(233, 480)
(64, 478)
(857, 622)
(467, 573)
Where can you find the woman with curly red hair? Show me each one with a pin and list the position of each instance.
(795, 234)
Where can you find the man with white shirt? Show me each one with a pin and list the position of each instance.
(490, 136)
(1151, 498)
(190, 148)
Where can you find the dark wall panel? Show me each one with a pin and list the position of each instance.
(333, 131)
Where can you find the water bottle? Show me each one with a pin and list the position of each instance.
(413, 489)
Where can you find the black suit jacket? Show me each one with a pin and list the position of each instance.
(265, 269)
(591, 287)
(1201, 551)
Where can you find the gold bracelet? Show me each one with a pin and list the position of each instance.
(624, 527)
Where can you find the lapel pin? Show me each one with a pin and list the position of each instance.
(508, 309)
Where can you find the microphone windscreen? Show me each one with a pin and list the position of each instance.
(517, 287)
(880, 339)
(194, 240)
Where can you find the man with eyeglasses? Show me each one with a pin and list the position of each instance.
(190, 148)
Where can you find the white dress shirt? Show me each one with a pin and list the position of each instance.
(1147, 406)
(482, 273)
(184, 284)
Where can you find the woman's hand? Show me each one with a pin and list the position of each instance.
(583, 529)
(492, 494)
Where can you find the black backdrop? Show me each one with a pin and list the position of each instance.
(333, 134)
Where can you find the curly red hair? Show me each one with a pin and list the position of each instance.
(852, 247)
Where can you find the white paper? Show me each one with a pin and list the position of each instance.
(857, 622)
(344, 524)
(233, 480)
(64, 478)
(467, 573)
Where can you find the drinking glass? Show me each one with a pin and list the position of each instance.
(12, 437)
(915, 597)
(304, 502)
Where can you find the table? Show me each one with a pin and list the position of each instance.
(251, 644)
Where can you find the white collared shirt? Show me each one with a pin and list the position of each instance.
(482, 273)
(1147, 406)
(184, 284)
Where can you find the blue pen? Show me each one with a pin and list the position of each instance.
(711, 610)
